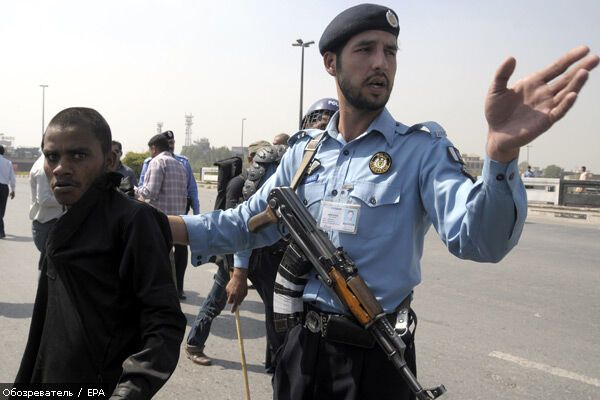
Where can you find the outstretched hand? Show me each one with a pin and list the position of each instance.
(518, 115)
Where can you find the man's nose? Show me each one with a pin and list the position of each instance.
(62, 167)
(379, 59)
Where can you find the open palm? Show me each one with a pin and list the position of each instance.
(517, 115)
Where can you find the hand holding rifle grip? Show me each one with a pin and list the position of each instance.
(259, 221)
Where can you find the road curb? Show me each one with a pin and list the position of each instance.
(590, 215)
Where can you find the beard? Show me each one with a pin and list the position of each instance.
(357, 99)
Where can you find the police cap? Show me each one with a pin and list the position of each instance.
(169, 135)
(357, 19)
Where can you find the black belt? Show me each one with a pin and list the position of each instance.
(402, 318)
(338, 328)
(345, 329)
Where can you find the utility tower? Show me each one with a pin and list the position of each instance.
(159, 126)
(188, 129)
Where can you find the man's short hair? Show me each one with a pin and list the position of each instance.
(160, 142)
(118, 144)
(86, 119)
(1, 149)
(281, 138)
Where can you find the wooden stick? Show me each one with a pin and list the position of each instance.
(238, 327)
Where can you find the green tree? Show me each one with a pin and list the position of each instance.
(205, 157)
(553, 171)
(135, 161)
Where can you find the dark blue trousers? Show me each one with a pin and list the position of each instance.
(3, 200)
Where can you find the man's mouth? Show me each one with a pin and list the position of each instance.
(378, 82)
(63, 186)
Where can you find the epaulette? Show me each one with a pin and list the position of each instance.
(312, 133)
(431, 127)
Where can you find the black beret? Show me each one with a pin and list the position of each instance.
(357, 19)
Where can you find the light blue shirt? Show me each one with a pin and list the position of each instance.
(424, 186)
(192, 187)
(7, 174)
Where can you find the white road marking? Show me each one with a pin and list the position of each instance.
(546, 368)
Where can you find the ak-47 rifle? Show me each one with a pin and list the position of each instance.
(339, 272)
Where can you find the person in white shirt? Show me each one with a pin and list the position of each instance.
(585, 174)
(7, 178)
(44, 210)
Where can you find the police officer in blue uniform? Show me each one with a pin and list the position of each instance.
(399, 180)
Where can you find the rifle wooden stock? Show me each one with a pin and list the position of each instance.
(344, 292)
(267, 217)
(365, 296)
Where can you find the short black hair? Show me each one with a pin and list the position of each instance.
(1, 149)
(87, 119)
(114, 142)
(160, 142)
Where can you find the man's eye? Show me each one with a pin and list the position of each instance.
(51, 158)
(79, 156)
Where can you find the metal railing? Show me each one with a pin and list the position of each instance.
(579, 193)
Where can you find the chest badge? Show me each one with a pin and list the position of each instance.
(380, 163)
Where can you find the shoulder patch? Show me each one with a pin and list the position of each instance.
(431, 127)
(454, 155)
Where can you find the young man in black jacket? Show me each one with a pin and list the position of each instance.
(106, 311)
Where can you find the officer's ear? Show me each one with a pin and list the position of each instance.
(329, 59)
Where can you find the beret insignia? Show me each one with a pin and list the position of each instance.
(391, 18)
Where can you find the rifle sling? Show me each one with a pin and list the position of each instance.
(309, 154)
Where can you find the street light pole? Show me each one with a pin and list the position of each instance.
(43, 106)
(528, 146)
(243, 119)
(302, 44)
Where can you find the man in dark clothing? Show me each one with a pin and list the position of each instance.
(106, 311)
(260, 268)
(121, 168)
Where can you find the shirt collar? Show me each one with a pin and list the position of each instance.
(384, 123)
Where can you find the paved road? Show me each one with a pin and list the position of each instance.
(526, 328)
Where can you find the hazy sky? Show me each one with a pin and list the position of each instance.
(140, 62)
